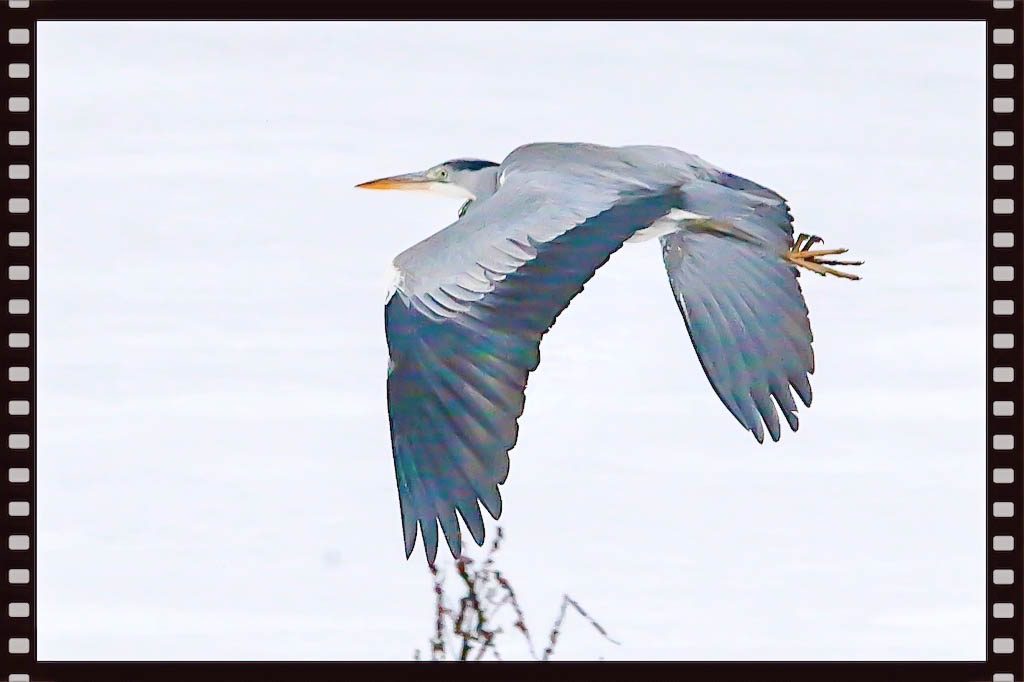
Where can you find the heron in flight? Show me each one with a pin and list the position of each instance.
(469, 305)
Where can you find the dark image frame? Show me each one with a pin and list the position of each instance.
(1004, 330)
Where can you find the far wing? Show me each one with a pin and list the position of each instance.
(742, 303)
(465, 325)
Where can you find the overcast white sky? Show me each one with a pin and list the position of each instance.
(215, 476)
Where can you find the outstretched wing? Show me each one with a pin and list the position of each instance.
(473, 302)
(741, 301)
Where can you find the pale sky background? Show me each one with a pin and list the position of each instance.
(215, 476)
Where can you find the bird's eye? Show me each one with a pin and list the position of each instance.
(442, 174)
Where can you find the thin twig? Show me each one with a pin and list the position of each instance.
(556, 629)
(520, 623)
(590, 619)
(474, 603)
(473, 624)
(438, 649)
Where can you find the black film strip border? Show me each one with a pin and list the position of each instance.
(19, 343)
(1005, 335)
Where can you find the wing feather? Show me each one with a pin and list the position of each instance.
(476, 298)
(464, 330)
(748, 322)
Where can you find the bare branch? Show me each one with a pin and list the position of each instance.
(438, 646)
(520, 623)
(556, 629)
(474, 626)
(590, 619)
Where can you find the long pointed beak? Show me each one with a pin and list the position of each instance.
(406, 182)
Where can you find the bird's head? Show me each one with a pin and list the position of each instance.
(462, 178)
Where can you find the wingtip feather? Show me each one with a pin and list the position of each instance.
(758, 432)
(470, 513)
(429, 530)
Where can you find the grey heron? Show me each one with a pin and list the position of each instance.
(470, 304)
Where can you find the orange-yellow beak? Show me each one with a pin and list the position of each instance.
(409, 181)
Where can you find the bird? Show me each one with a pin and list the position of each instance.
(468, 305)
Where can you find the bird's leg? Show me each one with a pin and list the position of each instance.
(801, 255)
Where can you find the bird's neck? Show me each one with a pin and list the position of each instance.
(483, 183)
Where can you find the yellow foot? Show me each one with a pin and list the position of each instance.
(801, 255)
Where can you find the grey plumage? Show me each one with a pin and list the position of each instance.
(473, 301)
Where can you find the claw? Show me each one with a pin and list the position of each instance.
(805, 241)
(811, 241)
(801, 255)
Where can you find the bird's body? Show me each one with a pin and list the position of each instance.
(470, 303)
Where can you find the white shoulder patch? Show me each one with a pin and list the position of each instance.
(681, 214)
(395, 280)
(667, 224)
